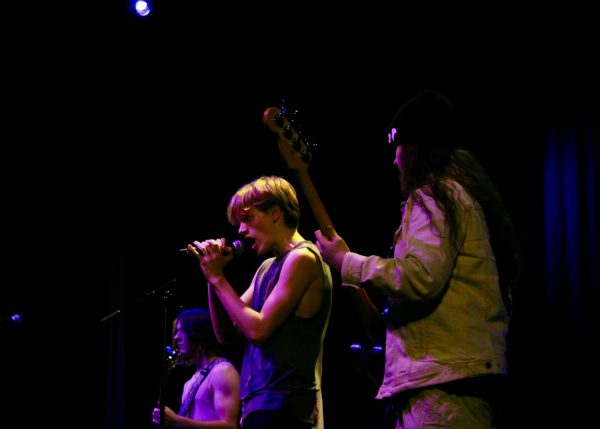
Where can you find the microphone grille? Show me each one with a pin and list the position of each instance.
(238, 247)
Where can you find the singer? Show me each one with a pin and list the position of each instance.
(283, 314)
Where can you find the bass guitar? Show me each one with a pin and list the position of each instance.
(296, 155)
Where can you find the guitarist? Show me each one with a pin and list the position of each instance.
(448, 280)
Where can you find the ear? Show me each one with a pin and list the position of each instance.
(276, 214)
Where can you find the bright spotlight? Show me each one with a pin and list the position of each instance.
(142, 8)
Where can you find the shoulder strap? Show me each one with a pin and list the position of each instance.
(185, 405)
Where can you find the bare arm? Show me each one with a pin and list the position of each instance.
(226, 398)
(225, 330)
(298, 272)
(226, 402)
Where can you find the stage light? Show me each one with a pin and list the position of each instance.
(13, 319)
(142, 7)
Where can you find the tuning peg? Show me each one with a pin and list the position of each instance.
(296, 144)
(288, 132)
(309, 143)
(306, 157)
(279, 119)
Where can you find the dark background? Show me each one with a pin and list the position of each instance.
(124, 139)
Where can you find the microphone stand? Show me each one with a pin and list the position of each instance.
(142, 298)
(165, 292)
(164, 369)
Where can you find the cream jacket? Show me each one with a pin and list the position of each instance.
(446, 317)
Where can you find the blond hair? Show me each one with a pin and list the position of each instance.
(264, 193)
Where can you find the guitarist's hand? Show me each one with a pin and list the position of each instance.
(333, 248)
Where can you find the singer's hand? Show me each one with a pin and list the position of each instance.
(213, 256)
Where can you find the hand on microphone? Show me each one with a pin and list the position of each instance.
(237, 248)
(214, 255)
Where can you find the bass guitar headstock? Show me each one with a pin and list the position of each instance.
(294, 150)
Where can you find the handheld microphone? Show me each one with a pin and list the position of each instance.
(237, 248)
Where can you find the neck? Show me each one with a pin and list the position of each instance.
(203, 362)
(288, 244)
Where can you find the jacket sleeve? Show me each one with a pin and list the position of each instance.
(422, 264)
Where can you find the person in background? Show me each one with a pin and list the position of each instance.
(210, 398)
(448, 282)
(283, 314)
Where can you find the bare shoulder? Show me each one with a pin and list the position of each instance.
(302, 256)
(224, 367)
(225, 373)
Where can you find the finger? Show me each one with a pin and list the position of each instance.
(192, 249)
(212, 249)
(198, 247)
(323, 236)
(202, 247)
(330, 231)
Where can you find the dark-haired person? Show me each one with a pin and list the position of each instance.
(448, 282)
(210, 398)
(283, 314)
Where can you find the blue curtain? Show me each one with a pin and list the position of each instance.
(571, 199)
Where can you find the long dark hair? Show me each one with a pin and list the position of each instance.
(428, 169)
(196, 324)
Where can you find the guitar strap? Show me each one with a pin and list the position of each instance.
(185, 405)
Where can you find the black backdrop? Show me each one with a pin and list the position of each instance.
(124, 139)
